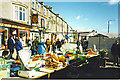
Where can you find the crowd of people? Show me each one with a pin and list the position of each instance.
(84, 44)
(36, 46)
(11, 43)
(41, 47)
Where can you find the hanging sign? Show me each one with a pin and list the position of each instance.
(35, 19)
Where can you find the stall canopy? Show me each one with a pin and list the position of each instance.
(2, 29)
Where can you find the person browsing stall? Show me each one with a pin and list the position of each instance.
(10, 45)
(18, 46)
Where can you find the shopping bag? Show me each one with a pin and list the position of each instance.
(14, 54)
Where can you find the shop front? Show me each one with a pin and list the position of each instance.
(16, 29)
(34, 34)
(3, 37)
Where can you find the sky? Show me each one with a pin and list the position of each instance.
(87, 16)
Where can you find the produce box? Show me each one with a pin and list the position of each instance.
(4, 74)
(4, 70)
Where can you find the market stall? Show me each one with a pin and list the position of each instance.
(50, 65)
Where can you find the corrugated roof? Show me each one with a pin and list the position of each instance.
(111, 35)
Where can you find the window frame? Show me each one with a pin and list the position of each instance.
(33, 5)
(45, 11)
(17, 17)
(39, 7)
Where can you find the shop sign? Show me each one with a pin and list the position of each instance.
(13, 26)
(34, 18)
(21, 22)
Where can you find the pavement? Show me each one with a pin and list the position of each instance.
(68, 46)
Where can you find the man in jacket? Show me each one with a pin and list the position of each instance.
(115, 52)
(58, 44)
(10, 44)
(18, 46)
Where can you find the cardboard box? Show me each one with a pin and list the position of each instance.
(5, 71)
(4, 74)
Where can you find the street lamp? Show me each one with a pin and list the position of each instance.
(109, 23)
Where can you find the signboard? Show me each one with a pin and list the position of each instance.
(42, 23)
(35, 19)
(13, 26)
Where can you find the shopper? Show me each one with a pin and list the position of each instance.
(18, 46)
(53, 47)
(41, 47)
(10, 45)
(78, 43)
(86, 45)
(119, 50)
(83, 44)
(58, 44)
(48, 43)
(29, 44)
(36, 41)
(34, 47)
(62, 41)
(115, 53)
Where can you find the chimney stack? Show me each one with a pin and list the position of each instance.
(50, 8)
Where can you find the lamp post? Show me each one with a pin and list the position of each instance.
(109, 24)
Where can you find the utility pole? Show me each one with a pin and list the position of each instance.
(109, 24)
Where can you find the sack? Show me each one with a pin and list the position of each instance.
(5, 53)
(14, 54)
